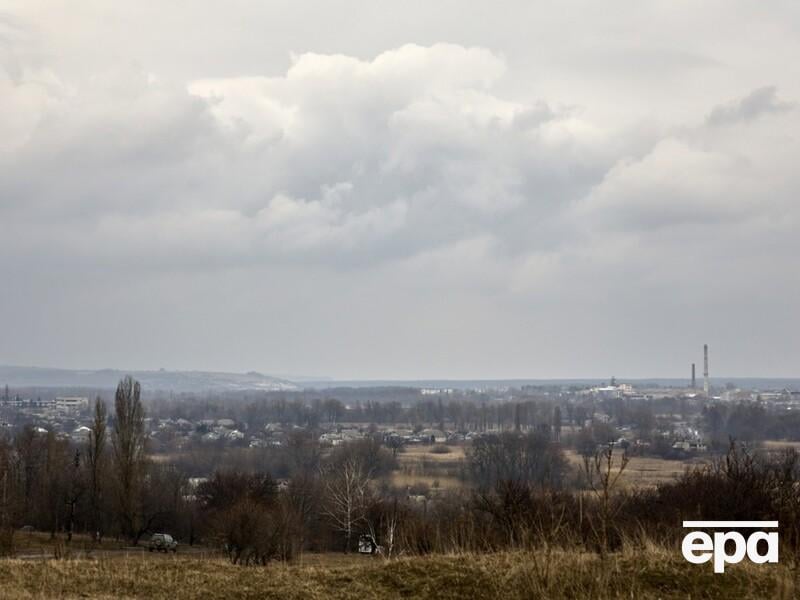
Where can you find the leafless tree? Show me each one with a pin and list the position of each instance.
(161, 499)
(346, 496)
(53, 482)
(95, 462)
(391, 523)
(602, 476)
(73, 492)
(7, 498)
(303, 503)
(129, 452)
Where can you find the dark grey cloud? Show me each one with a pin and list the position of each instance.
(759, 102)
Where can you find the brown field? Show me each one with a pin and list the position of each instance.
(411, 453)
(420, 465)
(42, 546)
(401, 479)
(39, 542)
(644, 573)
(645, 471)
(781, 445)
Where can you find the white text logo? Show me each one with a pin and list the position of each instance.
(699, 547)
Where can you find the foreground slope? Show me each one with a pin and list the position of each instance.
(653, 574)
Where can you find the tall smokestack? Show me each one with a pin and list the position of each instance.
(705, 369)
(694, 381)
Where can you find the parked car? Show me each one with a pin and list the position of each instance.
(163, 542)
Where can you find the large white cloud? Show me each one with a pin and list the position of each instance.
(367, 159)
(428, 194)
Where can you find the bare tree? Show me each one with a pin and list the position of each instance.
(53, 482)
(95, 461)
(161, 498)
(247, 517)
(530, 458)
(346, 491)
(129, 453)
(391, 523)
(602, 476)
(557, 423)
(303, 498)
(74, 490)
(7, 498)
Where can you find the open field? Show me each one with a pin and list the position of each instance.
(644, 471)
(649, 574)
(422, 465)
(35, 542)
(781, 445)
(419, 452)
(41, 546)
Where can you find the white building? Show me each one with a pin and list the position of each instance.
(81, 434)
(72, 403)
(688, 446)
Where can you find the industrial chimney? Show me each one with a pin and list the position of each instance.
(694, 381)
(705, 369)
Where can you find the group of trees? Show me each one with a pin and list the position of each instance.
(749, 421)
(246, 516)
(532, 458)
(327, 500)
(105, 486)
(459, 410)
(326, 504)
(519, 491)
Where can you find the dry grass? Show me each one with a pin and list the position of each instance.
(781, 445)
(442, 482)
(420, 464)
(414, 453)
(644, 471)
(643, 574)
(38, 542)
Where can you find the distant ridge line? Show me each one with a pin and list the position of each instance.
(161, 380)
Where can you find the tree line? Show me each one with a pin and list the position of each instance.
(519, 491)
(107, 486)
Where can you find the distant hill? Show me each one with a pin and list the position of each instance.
(175, 381)
(750, 383)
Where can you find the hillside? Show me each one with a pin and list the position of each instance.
(648, 574)
(175, 381)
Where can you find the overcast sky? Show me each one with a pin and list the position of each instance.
(366, 189)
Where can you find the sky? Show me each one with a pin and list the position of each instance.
(401, 190)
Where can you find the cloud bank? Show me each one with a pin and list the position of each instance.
(406, 214)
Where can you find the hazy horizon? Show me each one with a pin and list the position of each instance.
(302, 379)
(527, 190)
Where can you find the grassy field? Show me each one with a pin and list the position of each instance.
(41, 546)
(422, 465)
(644, 471)
(781, 445)
(648, 574)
